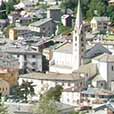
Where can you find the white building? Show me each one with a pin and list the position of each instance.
(66, 20)
(105, 65)
(45, 81)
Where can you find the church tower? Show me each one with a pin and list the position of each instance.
(78, 39)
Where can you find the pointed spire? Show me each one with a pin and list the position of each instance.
(79, 20)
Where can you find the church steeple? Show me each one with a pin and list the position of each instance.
(79, 20)
(78, 39)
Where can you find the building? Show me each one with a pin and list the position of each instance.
(4, 88)
(54, 12)
(18, 31)
(25, 4)
(45, 27)
(106, 108)
(95, 96)
(13, 16)
(69, 56)
(9, 69)
(28, 58)
(66, 20)
(44, 81)
(71, 95)
(99, 23)
(105, 65)
(3, 23)
(111, 2)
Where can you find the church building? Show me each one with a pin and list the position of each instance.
(69, 56)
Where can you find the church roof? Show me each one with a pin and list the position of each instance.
(105, 58)
(98, 49)
(65, 48)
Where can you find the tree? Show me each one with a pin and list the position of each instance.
(45, 106)
(54, 93)
(23, 91)
(72, 4)
(96, 7)
(110, 12)
(3, 109)
(10, 6)
(3, 11)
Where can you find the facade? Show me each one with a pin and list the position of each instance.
(28, 60)
(54, 12)
(3, 23)
(4, 88)
(45, 81)
(45, 27)
(71, 96)
(111, 2)
(66, 20)
(13, 17)
(99, 23)
(18, 31)
(105, 64)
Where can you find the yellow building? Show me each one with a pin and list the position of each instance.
(12, 34)
(11, 76)
(4, 88)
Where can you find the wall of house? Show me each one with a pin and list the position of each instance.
(71, 98)
(63, 59)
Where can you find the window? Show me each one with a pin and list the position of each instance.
(68, 83)
(62, 83)
(33, 56)
(112, 68)
(41, 81)
(33, 69)
(82, 39)
(34, 63)
(82, 45)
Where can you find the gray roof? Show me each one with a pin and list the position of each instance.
(65, 48)
(99, 19)
(98, 49)
(105, 58)
(40, 22)
(109, 105)
(52, 76)
(8, 61)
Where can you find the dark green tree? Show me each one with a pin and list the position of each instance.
(54, 93)
(96, 7)
(110, 12)
(72, 4)
(10, 6)
(3, 11)
(23, 91)
(3, 108)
